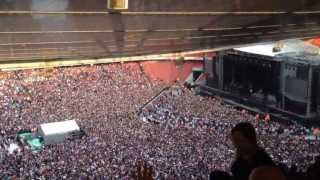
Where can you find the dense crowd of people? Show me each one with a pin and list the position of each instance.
(180, 134)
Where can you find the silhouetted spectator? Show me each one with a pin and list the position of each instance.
(249, 155)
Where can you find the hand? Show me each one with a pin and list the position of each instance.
(143, 172)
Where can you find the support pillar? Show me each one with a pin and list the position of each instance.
(309, 96)
(221, 71)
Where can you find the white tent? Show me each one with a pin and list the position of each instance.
(56, 132)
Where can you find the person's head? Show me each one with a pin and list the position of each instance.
(244, 137)
(267, 173)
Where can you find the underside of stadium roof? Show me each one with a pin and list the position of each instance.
(69, 29)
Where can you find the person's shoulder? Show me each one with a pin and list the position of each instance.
(266, 172)
(263, 157)
(261, 151)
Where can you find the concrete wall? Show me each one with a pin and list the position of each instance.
(315, 42)
(168, 71)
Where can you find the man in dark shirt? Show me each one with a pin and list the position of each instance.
(249, 155)
(242, 168)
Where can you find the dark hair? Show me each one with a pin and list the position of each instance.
(247, 130)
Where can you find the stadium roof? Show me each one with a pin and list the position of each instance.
(68, 29)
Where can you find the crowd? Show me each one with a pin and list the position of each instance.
(180, 134)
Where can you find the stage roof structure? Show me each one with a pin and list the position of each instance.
(289, 47)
